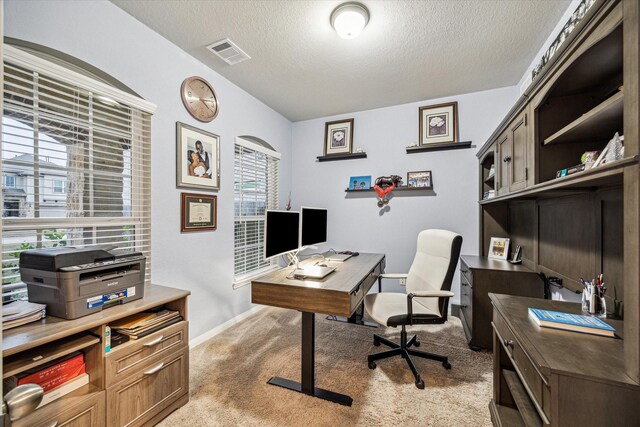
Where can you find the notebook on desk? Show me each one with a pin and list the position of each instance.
(313, 272)
(338, 257)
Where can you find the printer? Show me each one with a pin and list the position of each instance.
(75, 282)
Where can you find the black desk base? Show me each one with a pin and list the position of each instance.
(307, 385)
(357, 318)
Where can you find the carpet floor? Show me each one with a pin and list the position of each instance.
(229, 373)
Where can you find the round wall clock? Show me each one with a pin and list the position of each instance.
(199, 99)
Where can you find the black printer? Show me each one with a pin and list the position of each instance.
(75, 282)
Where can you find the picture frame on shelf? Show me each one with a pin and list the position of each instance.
(438, 124)
(198, 212)
(197, 158)
(360, 183)
(420, 179)
(499, 248)
(338, 137)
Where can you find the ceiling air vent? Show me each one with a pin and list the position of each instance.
(228, 51)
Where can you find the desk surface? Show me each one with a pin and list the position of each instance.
(331, 295)
(475, 262)
(568, 353)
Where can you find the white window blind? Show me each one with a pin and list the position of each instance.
(255, 190)
(80, 154)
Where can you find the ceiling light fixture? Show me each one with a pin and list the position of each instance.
(349, 19)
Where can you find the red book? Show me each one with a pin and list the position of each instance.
(55, 373)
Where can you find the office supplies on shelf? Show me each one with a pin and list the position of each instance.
(593, 301)
(64, 389)
(142, 324)
(18, 313)
(571, 322)
(75, 282)
(49, 375)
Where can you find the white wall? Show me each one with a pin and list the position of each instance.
(106, 37)
(355, 221)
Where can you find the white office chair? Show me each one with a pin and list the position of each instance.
(426, 301)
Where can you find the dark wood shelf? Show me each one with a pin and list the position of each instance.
(607, 174)
(600, 122)
(439, 147)
(402, 188)
(346, 156)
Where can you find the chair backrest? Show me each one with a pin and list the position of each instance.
(434, 265)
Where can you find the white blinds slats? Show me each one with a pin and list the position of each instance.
(255, 190)
(77, 163)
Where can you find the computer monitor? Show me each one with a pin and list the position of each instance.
(281, 233)
(313, 226)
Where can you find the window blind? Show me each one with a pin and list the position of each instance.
(255, 190)
(76, 165)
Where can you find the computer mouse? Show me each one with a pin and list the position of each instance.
(355, 253)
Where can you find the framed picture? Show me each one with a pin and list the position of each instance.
(360, 183)
(198, 212)
(197, 157)
(498, 248)
(338, 137)
(438, 123)
(421, 179)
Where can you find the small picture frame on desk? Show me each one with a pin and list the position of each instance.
(499, 248)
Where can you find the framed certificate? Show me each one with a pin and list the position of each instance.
(198, 212)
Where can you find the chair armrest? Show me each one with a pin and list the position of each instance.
(390, 276)
(425, 294)
(394, 275)
(433, 294)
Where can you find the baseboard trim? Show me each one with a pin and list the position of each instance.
(221, 328)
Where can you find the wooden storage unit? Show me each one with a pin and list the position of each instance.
(589, 222)
(154, 369)
(478, 277)
(557, 378)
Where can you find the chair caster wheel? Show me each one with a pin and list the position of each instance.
(420, 384)
(446, 365)
(416, 343)
(372, 365)
(376, 343)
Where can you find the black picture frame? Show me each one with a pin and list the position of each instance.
(198, 212)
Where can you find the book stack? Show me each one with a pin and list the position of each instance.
(18, 313)
(57, 378)
(142, 324)
(489, 194)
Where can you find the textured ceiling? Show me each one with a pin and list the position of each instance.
(409, 51)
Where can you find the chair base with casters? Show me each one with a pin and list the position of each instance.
(403, 349)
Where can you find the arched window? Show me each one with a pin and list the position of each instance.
(77, 150)
(255, 181)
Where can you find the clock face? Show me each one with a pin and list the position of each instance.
(199, 99)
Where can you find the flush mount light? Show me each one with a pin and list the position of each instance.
(349, 19)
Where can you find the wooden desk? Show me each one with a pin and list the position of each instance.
(340, 294)
(544, 376)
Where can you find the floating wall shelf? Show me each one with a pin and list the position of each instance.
(402, 188)
(439, 147)
(346, 156)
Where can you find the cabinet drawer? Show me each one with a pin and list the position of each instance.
(127, 359)
(355, 298)
(63, 413)
(465, 273)
(504, 333)
(149, 391)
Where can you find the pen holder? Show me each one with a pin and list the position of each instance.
(595, 306)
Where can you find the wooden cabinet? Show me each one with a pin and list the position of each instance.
(478, 277)
(503, 151)
(549, 377)
(137, 383)
(514, 155)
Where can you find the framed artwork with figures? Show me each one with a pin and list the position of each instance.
(438, 124)
(338, 137)
(197, 158)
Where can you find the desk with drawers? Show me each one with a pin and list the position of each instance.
(339, 294)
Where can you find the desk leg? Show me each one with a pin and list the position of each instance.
(357, 318)
(307, 384)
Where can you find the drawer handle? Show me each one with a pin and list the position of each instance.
(508, 343)
(154, 369)
(465, 271)
(154, 342)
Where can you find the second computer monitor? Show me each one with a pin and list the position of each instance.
(313, 226)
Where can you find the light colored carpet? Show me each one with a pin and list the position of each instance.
(229, 375)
